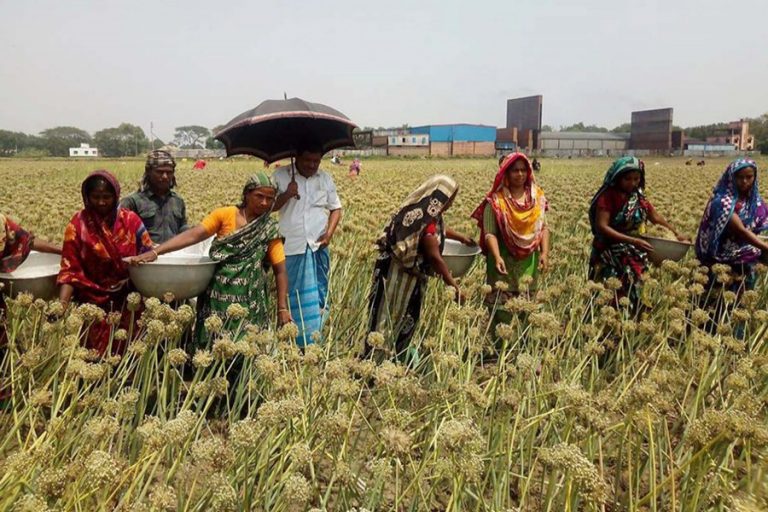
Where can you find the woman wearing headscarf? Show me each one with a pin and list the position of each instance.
(513, 229)
(15, 245)
(618, 215)
(95, 242)
(410, 250)
(733, 217)
(247, 244)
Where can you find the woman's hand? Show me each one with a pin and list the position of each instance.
(468, 241)
(543, 262)
(284, 317)
(461, 299)
(682, 238)
(501, 267)
(642, 244)
(147, 257)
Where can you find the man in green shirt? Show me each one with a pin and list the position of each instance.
(161, 209)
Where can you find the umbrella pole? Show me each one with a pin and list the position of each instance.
(293, 175)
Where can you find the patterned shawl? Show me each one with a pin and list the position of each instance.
(15, 244)
(94, 248)
(711, 244)
(421, 208)
(635, 211)
(240, 276)
(520, 223)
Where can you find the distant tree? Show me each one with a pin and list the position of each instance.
(547, 128)
(580, 127)
(13, 142)
(58, 140)
(124, 140)
(758, 127)
(210, 142)
(703, 131)
(191, 137)
(623, 128)
(156, 144)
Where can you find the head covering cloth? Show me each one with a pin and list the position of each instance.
(520, 223)
(422, 207)
(711, 244)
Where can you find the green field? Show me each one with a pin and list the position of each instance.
(588, 408)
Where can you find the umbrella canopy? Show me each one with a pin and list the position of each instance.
(276, 128)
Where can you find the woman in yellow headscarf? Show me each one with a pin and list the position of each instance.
(514, 234)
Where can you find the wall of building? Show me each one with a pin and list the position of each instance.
(413, 139)
(506, 134)
(380, 140)
(408, 150)
(457, 132)
(474, 149)
(525, 113)
(651, 129)
(582, 144)
(440, 148)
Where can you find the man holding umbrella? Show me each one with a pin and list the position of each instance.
(309, 212)
(308, 205)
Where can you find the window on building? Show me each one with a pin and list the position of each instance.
(413, 140)
(74, 152)
(403, 140)
(423, 140)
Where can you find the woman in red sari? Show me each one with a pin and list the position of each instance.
(95, 242)
(15, 245)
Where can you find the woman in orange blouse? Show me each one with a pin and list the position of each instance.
(247, 240)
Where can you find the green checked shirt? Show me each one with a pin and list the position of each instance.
(164, 217)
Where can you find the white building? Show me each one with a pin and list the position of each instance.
(412, 139)
(84, 150)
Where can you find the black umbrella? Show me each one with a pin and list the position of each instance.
(276, 128)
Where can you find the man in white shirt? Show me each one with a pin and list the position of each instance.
(309, 212)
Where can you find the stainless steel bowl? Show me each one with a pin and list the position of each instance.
(183, 275)
(664, 249)
(459, 257)
(37, 275)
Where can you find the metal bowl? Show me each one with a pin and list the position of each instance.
(459, 257)
(184, 275)
(664, 249)
(37, 275)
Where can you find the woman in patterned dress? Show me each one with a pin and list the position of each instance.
(410, 250)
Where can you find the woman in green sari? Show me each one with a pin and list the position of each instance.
(514, 233)
(247, 244)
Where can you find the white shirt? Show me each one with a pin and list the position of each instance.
(303, 221)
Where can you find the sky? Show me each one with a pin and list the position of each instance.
(95, 64)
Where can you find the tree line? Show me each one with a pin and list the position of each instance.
(120, 141)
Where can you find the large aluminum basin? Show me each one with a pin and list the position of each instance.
(664, 249)
(185, 276)
(459, 257)
(37, 275)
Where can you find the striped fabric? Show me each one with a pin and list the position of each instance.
(308, 290)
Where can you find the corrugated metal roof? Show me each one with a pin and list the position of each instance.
(583, 136)
(453, 124)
